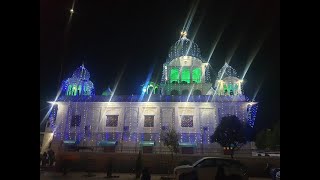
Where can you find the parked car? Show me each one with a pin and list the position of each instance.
(273, 171)
(266, 153)
(278, 175)
(207, 168)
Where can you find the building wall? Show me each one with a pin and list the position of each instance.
(205, 119)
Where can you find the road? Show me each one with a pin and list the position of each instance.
(100, 176)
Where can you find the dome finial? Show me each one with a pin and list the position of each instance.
(184, 34)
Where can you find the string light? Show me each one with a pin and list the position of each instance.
(61, 124)
(84, 122)
(76, 123)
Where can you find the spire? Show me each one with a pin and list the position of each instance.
(184, 34)
(83, 70)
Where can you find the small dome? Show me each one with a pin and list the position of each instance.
(226, 71)
(79, 83)
(184, 47)
(107, 92)
(81, 73)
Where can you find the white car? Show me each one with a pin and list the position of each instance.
(206, 168)
(278, 175)
(266, 153)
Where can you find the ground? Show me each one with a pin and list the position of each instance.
(81, 175)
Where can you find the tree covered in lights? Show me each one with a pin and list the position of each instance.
(230, 133)
(170, 139)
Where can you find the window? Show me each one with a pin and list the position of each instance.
(148, 120)
(207, 163)
(112, 120)
(76, 120)
(174, 75)
(187, 121)
(196, 75)
(185, 75)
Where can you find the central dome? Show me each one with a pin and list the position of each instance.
(184, 47)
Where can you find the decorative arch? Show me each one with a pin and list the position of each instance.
(185, 92)
(197, 92)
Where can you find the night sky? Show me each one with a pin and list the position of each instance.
(111, 36)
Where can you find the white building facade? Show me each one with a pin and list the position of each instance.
(185, 100)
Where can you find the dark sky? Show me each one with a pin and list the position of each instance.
(115, 35)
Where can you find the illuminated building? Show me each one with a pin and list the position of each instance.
(186, 99)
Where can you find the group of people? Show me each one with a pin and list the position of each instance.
(47, 158)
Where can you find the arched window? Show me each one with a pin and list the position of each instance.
(225, 88)
(174, 75)
(69, 92)
(74, 90)
(150, 90)
(230, 87)
(196, 92)
(185, 75)
(185, 92)
(156, 90)
(196, 75)
(79, 89)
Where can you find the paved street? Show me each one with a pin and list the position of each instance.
(100, 176)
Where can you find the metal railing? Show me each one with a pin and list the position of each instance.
(155, 150)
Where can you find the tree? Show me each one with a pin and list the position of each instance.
(276, 135)
(261, 140)
(230, 133)
(170, 139)
(269, 139)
